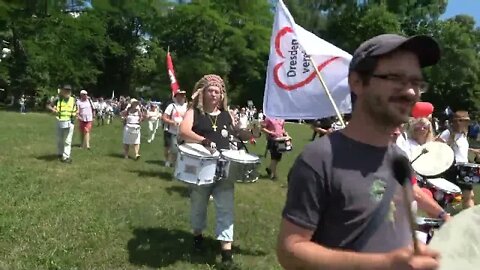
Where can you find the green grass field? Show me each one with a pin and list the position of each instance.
(104, 212)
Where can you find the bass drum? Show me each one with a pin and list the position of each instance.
(458, 241)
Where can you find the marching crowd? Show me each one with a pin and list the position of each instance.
(338, 186)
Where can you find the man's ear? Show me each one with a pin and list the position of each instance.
(355, 83)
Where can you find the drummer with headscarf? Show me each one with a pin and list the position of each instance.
(209, 123)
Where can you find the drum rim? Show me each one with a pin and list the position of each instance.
(195, 156)
(443, 190)
(467, 164)
(243, 161)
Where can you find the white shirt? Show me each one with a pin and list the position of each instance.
(243, 121)
(133, 118)
(460, 145)
(176, 113)
(260, 116)
(153, 115)
(408, 146)
(85, 110)
(101, 106)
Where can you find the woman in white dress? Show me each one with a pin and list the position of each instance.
(131, 131)
(153, 116)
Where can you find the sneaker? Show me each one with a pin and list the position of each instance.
(167, 164)
(149, 141)
(137, 157)
(198, 242)
(67, 160)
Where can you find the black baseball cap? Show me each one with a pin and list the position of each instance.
(425, 47)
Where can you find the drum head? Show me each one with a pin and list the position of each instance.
(458, 241)
(197, 150)
(240, 156)
(438, 158)
(444, 185)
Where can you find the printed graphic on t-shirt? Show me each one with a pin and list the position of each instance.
(377, 190)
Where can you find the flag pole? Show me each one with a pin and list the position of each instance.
(319, 76)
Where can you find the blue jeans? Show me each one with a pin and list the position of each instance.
(223, 197)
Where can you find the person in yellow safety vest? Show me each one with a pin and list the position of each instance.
(65, 108)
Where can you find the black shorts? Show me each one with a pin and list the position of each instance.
(451, 175)
(272, 147)
(167, 139)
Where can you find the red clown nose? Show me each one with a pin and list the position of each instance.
(422, 109)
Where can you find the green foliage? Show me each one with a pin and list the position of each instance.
(121, 45)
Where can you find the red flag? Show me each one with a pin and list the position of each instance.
(171, 74)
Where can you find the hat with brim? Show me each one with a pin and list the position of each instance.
(83, 92)
(425, 47)
(180, 92)
(133, 100)
(461, 115)
(67, 87)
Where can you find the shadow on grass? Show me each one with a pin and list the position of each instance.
(49, 157)
(181, 190)
(116, 155)
(161, 247)
(155, 162)
(167, 176)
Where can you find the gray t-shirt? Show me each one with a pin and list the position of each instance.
(334, 187)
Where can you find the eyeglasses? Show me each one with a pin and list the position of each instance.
(417, 84)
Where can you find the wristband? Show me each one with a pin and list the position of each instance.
(442, 214)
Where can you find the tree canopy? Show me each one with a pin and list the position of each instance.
(105, 45)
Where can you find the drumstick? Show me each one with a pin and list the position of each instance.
(402, 173)
(424, 151)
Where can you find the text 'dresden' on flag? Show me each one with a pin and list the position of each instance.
(292, 88)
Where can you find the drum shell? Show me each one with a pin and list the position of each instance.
(283, 145)
(195, 169)
(468, 172)
(236, 171)
(240, 170)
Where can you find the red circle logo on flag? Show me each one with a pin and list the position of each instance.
(295, 70)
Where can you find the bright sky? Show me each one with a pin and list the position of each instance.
(469, 7)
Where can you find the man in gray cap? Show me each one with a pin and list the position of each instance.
(65, 108)
(344, 208)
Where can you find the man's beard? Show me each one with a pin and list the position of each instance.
(381, 112)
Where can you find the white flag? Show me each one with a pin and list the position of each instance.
(292, 88)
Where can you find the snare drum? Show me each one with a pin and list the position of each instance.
(283, 144)
(195, 164)
(444, 192)
(468, 172)
(240, 166)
